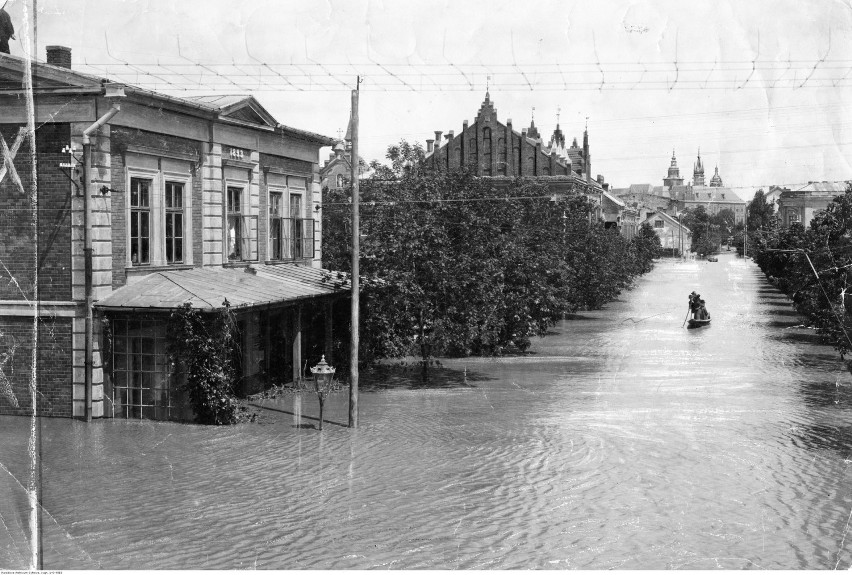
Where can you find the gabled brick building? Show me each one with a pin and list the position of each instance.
(145, 201)
(492, 149)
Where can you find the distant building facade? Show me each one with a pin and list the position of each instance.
(675, 196)
(336, 173)
(800, 206)
(675, 238)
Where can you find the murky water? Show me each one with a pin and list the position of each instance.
(624, 441)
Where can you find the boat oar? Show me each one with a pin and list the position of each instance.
(684, 319)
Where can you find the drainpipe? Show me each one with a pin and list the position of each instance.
(111, 92)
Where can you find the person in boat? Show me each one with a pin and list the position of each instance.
(694, 298)
(702, 312)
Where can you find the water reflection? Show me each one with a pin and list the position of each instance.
(623, 441)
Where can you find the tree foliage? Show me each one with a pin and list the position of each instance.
(811, 265)
(470, 266)
(709, 231)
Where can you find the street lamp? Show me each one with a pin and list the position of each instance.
(323, 377)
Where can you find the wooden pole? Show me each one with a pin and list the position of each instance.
(353, 346)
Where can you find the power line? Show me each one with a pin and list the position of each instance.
(187, 75)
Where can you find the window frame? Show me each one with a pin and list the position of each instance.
(228, 214)
(133, 211)
(296, 230)
(184, 180)
(157, 209)
(280, 191)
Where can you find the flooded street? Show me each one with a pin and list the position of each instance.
(623, 441)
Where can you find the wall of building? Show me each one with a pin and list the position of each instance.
(52, 373)
(35, 251)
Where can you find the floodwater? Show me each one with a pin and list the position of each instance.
(624, 441)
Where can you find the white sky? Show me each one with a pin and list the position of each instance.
(613, 61)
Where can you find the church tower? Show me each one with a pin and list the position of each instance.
(698, 172)
(716, 180)
(674, 178)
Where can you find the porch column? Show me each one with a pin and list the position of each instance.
(329, 308)
(297, 343)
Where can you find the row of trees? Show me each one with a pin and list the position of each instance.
(465, 266)
(811, 265)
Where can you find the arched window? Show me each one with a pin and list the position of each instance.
(486, 151)
(339, 180)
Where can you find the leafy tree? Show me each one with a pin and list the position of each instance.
(646, 248)
(760, 212)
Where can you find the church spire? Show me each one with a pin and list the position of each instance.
(532, 132)
(698, 171)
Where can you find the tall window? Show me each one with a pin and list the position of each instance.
(339, 180)
(486, 151)
(174, 222)
(234, 211)
(297, 231)
(276, 229)
(140, 221)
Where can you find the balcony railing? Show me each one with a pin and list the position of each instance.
(241, 238)
(291, 238)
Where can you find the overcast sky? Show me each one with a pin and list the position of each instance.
(763, 88)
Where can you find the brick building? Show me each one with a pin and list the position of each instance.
(337, 170)
(496, 150)
(138, 202)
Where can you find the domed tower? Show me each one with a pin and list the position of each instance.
(698, 172)
(716, 180)
(674, 178)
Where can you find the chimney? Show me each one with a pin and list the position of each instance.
(59, 56)
(438, 134)
(451, 135)
(429, 145)
(464, 126)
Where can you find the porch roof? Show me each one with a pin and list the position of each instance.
(207, 288)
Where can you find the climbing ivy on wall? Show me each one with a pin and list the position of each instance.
(201, 347)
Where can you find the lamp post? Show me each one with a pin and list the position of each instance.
(323, 377)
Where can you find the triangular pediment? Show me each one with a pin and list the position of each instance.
(249, 111)
(45, 76)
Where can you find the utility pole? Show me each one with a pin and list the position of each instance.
(353, 345)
